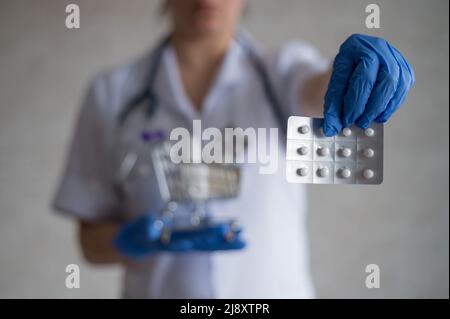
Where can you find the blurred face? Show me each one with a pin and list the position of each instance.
(205, 17)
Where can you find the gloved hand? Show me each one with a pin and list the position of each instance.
(136, 238)
(370, 80)
(141, 237)
(211, 238)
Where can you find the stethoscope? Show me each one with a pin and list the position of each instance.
(147, 94)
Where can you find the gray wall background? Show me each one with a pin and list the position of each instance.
(402, 225)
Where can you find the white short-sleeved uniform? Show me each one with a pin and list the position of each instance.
(272, 212)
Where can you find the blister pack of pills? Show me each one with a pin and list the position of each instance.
(354, 156)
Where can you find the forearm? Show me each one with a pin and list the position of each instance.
(312, 94)
(96, 240)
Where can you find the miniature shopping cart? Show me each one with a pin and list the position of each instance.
(194, 184)
(190, 185)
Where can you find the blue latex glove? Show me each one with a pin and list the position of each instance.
(141, 237)
(211, 238)
(370, 80)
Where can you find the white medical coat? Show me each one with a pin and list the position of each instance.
(272, 212)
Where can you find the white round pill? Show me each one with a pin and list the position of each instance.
(368, 173)
(369, 132)
(304, 129)
(323, 151)
(346, 132)
(323, 172)
(346, 152)
(303, 171)
(302, 150)
(346, 173)
(368, 152)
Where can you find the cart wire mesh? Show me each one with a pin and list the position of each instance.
(188, 182)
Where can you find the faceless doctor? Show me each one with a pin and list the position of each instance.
(205, 73)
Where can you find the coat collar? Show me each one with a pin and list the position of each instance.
(171, 92)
